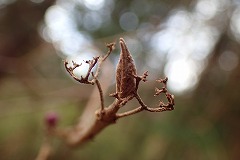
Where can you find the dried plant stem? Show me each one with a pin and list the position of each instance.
(90, 123)
(140, 101)
(92, 63)
(141, 108)
(45, 150)
(159, 109)
(110, 47)
(128, 113)
(162, 107)
(93, 119)
(77, 136)
(100, 93)
(134, 111)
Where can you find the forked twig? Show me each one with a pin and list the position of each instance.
(160, 108)
(92, 63)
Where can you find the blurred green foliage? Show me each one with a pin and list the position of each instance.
(204, 125)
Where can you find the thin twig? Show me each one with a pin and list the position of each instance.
(110, 47)
(140, 101)
(140, 78)
(100, 94)
(46, 148)
(131, 112)
(161, 107)
(92, 64)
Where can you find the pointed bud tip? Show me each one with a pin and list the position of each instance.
(123, 45)
(121, 40)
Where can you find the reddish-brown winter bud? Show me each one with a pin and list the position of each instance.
(51, 119)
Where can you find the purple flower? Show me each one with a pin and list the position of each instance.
(51, 119)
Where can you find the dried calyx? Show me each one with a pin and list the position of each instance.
(126, 70)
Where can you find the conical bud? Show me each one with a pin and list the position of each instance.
(126, 70)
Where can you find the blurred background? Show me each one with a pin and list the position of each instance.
(193, 42)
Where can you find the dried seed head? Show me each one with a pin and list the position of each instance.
(126, 70)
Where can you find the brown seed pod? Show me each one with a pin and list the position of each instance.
(126, 70)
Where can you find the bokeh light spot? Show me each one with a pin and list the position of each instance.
(206, 9)
(93, 4)
(128, 21)
(92, 21)
(181, 75)
(228, 60)
(80, 59)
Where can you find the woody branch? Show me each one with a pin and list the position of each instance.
(127, 83)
